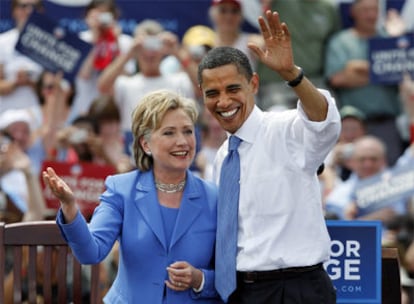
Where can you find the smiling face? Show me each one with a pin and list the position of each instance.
(172, 145)
(228, 95)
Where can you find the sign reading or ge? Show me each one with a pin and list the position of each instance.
(355, 263)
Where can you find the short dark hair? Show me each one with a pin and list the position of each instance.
(225, 55)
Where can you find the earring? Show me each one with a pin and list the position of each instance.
(148, 153)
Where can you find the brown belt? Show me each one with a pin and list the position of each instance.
(278, 274)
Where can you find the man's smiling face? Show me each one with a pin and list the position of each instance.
(229, 95)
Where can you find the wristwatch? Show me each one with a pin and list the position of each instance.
(293, 83)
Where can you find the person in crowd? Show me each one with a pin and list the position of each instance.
(163, 216)
(108, 145)
(198, 39)
(21, 198)
(337, 168)
(261, 255)
(20, 191)
(311, 23)
(196, 42)
(368, 159)
(151, 44)
(347, 70)
(226, 17)
(95, 137)
(18, 73)
(108, 41)
(212, 137)
(405, 122)
(56, 97)
(20, 126)
(73, 141)
(352, 128)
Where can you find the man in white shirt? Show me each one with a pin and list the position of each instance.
(282, 238)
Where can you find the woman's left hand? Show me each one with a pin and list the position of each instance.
(183, 276)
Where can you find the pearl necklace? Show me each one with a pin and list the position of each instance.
(170, 188)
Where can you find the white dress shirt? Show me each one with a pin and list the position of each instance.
(281, 221)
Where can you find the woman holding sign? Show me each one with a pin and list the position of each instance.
(163, 216)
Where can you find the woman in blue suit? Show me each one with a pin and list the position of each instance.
(163, 216)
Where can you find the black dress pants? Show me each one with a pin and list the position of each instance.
(311, 287)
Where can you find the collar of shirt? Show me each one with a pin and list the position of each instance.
(248, 131)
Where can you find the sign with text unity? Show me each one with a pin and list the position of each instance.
(355, 263)
(48, 44)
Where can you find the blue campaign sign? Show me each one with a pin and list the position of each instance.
(45, 42)
(355, 263)
(385, 189)
(390, 58)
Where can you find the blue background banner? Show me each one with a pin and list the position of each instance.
(175, 15)
(355, 264)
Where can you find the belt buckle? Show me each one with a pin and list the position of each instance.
(249, 277)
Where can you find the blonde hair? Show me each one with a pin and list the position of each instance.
(148, 115)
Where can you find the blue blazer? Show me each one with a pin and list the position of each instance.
(129, 212)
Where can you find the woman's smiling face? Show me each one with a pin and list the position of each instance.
(172, 145)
